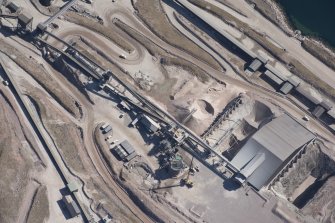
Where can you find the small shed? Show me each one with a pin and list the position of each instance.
(125, 151)
(127, 147)
(41, 27)
(12, 7)
(307, 94)
(326, 105)
(25, 21)
(72, 186)
(130, 157)
(262, 59)
(107, 129)
(120, 152)
(275, 71)
(25, 18)
(318, 111)
(286, 88)
(71, 206)
(331, 113)
(124, 106)
(255, 65)
(294, 81)
(273, 77)
(150, 124)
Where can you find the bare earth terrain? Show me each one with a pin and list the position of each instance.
(135, 110)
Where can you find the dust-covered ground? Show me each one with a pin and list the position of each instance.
(309, 184)
(23, 166)
(161, 51)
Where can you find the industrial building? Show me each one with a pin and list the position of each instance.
(13, 7)
(286, 88)
(72, 187)
(25, 21)
(270, 149)
(125, 151)
(273, 77)
(149, 124)
(306, 93)
(321, 108)
(71, 206)
(255, 65)
(107, 129)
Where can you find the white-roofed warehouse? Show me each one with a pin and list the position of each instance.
(269, 149)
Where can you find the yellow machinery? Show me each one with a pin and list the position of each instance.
(186, 181)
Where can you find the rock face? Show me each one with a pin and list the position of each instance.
(318, 199)
(322, 205)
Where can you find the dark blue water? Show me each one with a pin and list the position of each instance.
(313, 17)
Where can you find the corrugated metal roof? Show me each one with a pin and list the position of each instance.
(73, 209)
(318, 111)
(326, 105)
(253, 164)
(255, 65)
(286, 88)
(295, 81)
(331, 113)
(282, 136)
(265, 171)
(269, 148)
(25, 18)
(120, 152)
(257, 175)
(72, 186)
(262, 59)
(131, 156)
(149, 123)
(127, 147)
(12, 7)
(273, 77)
(307, 94)
(275, 71)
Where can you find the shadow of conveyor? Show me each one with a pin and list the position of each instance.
(203, 26)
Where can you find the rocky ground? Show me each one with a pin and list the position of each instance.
(155, 48)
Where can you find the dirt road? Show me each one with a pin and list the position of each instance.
(292, 45)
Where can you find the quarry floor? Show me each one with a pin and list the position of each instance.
(82, 161)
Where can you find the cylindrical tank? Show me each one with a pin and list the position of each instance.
(176, 165)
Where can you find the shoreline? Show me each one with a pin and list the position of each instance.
(313, 45)
(291, 28)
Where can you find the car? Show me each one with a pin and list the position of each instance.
(6, 83)
(122, 56)
(108, 137)
(306, 118)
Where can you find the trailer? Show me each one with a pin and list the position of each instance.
(107, 129)
(104, 126)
